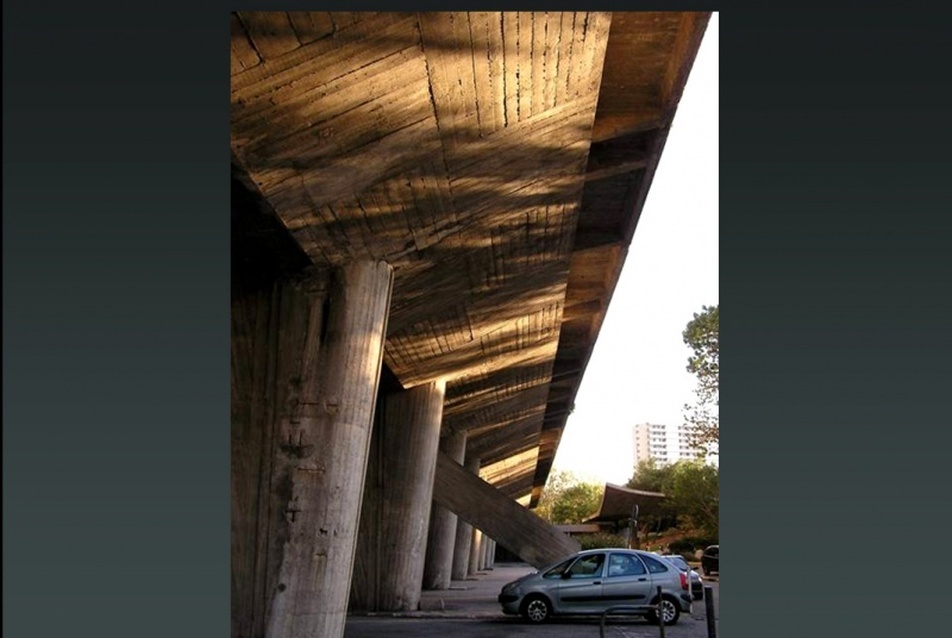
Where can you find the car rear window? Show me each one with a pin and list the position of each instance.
(654, 566)
(678, 561)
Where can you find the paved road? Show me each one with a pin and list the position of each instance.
(469, 610)
(486, 627)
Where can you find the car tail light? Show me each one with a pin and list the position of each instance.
(684, 581)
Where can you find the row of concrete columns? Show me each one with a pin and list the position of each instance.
(460, 550)
(333, 484)
(462, 563)
(441, 542)
(407, 542)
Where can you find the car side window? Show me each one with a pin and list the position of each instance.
(587, 566)
(654, 566)
(624, 565)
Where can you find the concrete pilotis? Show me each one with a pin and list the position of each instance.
(464, 539)
(464, 532)
(476, 552)
(484, 553)
(411, 437)
(306, 356)
(441, 542)
(321, 449)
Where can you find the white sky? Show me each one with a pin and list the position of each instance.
(637, 370)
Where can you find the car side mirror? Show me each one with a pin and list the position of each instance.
(566, 575)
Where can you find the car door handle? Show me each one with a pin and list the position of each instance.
(641, 580)
(597, 582)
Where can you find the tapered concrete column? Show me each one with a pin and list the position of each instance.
(321, 450)
(441, 542)
(411, 435)
(464, 532)
(490, 553)
(476, 552)
(487, 549)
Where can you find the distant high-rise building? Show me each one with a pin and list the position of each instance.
(662, 443)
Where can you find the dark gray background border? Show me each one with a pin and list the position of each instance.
(835, 225)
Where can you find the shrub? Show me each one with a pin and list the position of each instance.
(602, 539)
(687, 545)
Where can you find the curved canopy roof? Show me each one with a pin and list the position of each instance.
(618, 503)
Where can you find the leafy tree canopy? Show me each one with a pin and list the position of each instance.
(567, 500)
(692, 488)
(702, 336)
(650, 476)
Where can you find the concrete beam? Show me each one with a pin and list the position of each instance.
(522, 532)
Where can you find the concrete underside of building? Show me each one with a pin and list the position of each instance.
(430, 214)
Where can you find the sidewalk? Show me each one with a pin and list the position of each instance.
(471, 598)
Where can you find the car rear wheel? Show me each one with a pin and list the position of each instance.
(670, 609)
(536, 609)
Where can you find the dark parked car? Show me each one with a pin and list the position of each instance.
(709, 560)
(591, 581)
(697, 584)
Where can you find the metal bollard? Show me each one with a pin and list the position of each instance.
(709, 609)
(660, 612)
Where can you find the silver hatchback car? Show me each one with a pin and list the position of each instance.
(591, 581)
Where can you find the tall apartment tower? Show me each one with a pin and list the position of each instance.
(662, 443)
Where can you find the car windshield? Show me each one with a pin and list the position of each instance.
(555, 572)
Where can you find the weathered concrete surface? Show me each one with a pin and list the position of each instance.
(411, 436)
(322, 451)
(441, 541)
(464, 531)
(532, 539)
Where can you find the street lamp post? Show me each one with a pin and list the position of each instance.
(633, 528)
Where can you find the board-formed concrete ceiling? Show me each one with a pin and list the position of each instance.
(498, 161)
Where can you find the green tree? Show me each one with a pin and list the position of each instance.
(692, 491)
(702, 336)
(567, 500)
(650, 476)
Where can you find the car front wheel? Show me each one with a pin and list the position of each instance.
(536, 609)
